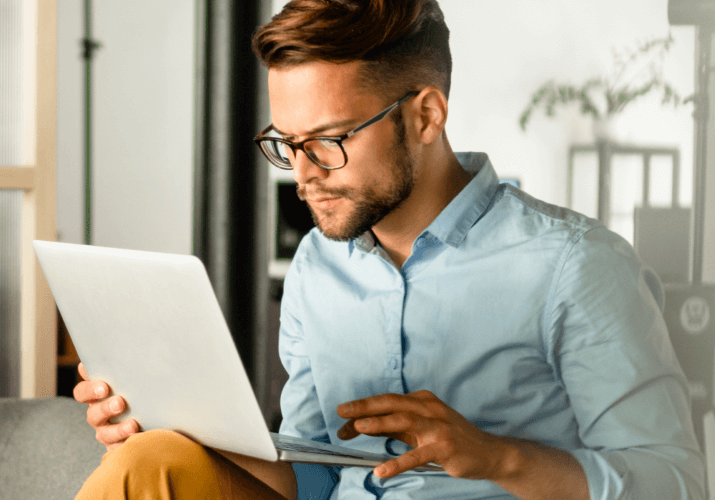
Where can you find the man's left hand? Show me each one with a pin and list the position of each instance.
(435, 432)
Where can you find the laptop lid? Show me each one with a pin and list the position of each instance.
(124, 307)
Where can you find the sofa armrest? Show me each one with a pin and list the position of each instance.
(47, 449)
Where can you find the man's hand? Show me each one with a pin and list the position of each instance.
(436, 433)
(439, 434)
(94, 392)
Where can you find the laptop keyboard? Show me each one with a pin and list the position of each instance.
(289, 443)
(284, 445)
(307, 446)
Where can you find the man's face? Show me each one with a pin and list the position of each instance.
(325, 99)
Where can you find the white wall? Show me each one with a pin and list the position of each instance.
(70, 127)
(503, 50)
(143, 91)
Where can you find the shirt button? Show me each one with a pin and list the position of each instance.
(420, 243)
(393, 363)
(388, 447)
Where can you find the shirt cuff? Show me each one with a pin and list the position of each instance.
(315, 482)
(605, 480)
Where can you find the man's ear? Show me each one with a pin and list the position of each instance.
(431, 114)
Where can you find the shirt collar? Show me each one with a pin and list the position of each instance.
(364, 242)
(454, 222)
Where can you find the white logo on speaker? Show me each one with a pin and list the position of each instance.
(695, 315)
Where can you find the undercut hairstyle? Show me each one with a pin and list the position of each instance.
(404, 44)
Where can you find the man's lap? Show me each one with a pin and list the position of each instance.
(167, 461)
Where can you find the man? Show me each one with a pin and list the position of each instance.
(435, 313)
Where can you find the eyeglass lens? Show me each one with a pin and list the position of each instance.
(325, 152)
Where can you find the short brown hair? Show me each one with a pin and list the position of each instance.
(403, 43)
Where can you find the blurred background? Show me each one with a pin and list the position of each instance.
(130, 124)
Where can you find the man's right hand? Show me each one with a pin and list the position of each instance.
(94, 392)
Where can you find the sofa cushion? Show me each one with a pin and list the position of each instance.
(47, 449)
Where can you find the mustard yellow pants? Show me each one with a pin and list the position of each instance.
(165, 465)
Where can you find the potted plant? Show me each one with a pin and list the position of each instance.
(637, 72)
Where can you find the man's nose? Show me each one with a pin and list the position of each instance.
(304, 170)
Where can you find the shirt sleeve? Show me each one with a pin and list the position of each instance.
(300, 408)
(610, 348)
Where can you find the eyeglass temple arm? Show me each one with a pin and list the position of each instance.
(264, 132)
(382, 115)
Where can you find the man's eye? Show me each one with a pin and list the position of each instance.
(325, 144)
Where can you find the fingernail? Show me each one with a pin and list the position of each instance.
(100, 391)
(381, 470)
(129, 428)
(114, 405)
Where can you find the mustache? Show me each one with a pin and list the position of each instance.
(319, 192)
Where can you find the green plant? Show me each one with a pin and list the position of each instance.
(637, 72)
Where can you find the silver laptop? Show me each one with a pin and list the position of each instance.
(150, 326)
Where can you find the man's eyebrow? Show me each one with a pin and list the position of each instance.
(317, 130)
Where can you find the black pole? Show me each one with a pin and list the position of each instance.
(702, 115)
(88, 46)
(701, 14)
(225, 186)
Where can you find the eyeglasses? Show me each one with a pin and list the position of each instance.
(326, 152)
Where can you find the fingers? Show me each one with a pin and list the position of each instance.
(90, 391)
(385, 424)
(101, 410)
(387, 403)
(82, 372)
(348, 431)
(389, 414)
(113, 435)
(110, 435)
(388, 424)
(99, 413)
(403, 426)
(407, 461)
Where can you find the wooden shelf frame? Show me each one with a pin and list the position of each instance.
(605, 151)
(37, 179)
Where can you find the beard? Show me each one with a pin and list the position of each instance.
(370, 205)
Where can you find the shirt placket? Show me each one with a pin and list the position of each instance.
(394, 302)
(393, 334)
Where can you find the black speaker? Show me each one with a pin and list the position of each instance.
(690, 316)
(293, 220)
(697, 12)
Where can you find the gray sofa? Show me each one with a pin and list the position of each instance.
(47, 449)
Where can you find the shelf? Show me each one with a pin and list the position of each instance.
(68, 360)
(66, 353)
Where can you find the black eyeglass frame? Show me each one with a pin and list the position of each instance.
(295, 146)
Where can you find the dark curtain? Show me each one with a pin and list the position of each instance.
(229, 183)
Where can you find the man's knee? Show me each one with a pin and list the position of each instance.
(155, 464)
(160, 449)
(158, 455)
(160, 445)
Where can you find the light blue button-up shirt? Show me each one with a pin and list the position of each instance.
(529, 319)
